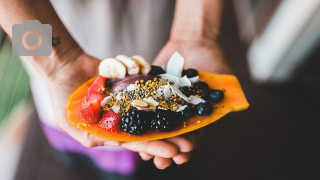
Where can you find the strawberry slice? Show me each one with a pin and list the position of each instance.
(91, 103)
(91, 107)
(110, 121)
(91, 112)
(97, 84)
(91, 97)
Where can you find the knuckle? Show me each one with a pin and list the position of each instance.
(87, 142)
(188, 146)
(162, 149)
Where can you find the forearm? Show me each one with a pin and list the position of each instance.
(17, 12)
(197, 20)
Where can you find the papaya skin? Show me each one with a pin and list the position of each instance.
(234, 100)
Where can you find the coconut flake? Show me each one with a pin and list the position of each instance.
(132, 87)
(169, 77)
(194, 79)
(118, 97)
(178, 82)
(194, 100)
(115, 109)
(175, 64)
(176, 91)
(159, 92)
(181, 108)
(166, 91)
(105, 101)
(184, 81)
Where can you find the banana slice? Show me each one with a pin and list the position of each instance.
(111, 68)
(131, 65)
(145, 66)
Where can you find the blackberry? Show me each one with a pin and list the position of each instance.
(155, 70)
(135, 122)
(186, 90)
(188, 112)
(204, 109)
(190, 73)
(215, 95)
(165, 120)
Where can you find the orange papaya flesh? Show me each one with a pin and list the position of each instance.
(234, 100)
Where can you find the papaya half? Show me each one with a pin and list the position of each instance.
(234, 100)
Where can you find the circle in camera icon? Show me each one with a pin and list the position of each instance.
(32, 39)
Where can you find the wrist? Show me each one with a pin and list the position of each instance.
(200, 24)
(199, 31)
(60, 57)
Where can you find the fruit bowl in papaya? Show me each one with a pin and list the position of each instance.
(234, 100)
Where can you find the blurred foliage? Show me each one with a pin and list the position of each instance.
(14, 81)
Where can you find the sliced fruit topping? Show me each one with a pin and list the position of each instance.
(139, 103)
(93, 97)
(110, 121)
(143, 63)
(111, 68)
(91, 112)
(135, 122)
(151, 101)
(98, 85)
(131, 65)
(165, 120)
(91, 107)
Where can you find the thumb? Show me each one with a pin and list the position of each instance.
(163, 56)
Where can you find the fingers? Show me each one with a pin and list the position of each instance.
(162, 163)
(145, 156)
(156, 148)
(181, 158)
(184, 144)
(86, 139)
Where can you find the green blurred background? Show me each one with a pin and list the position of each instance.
(14, 82)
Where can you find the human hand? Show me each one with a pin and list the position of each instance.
(200, 55)
(68, 78)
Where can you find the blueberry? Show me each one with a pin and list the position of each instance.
(201, 85)
(190, 73)
(204, 109)
(215, 95)
(155, 70)
(186, 90)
